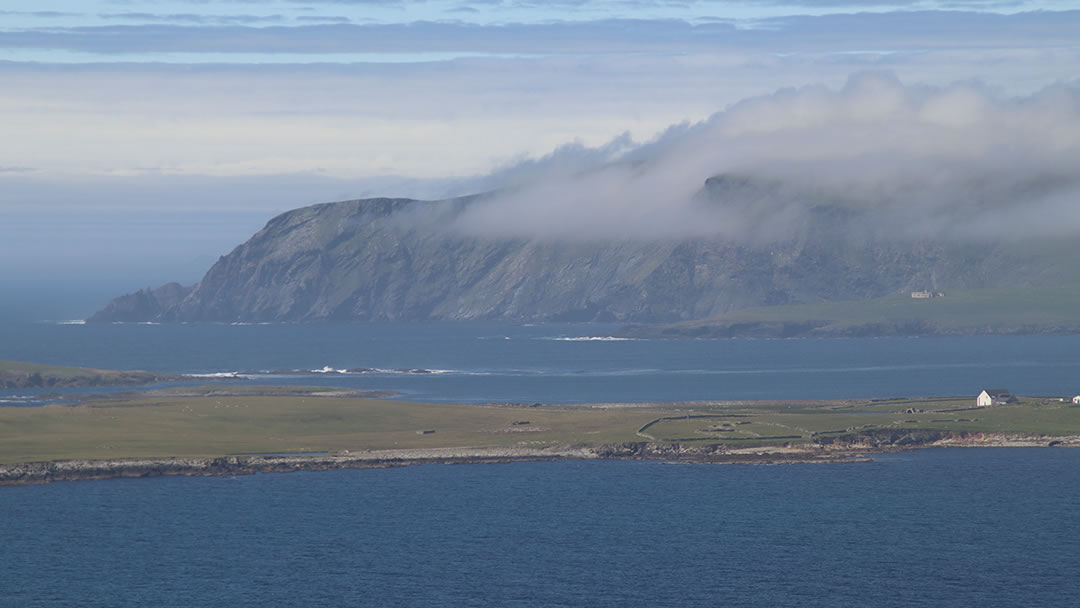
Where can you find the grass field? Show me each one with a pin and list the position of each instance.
(229, 424)
(959, 309)
(216, 426)
(794, 423)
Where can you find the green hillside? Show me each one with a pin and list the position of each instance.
(964, 311)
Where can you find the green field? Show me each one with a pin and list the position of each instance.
(221, 423)
(226, 425)
(976, 310)
(796, 423)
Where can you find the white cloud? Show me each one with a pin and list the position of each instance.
(907, 161)
(434, 120)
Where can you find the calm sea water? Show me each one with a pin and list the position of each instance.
(986, 527)
(563, 363)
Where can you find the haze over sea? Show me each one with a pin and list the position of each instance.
(974, 527)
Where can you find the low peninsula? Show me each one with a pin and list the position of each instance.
(221, 430)
(962, 312)
(20, 374)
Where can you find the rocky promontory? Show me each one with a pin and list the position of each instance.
(389, 259)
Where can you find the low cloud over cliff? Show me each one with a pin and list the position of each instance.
(893, 159)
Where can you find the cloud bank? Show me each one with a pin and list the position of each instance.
(878, 156)
(899, 31)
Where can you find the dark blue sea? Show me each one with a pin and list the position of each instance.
(962, 527)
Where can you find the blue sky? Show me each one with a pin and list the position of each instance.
(142, 138)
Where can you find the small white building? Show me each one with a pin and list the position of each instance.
(1076, 400)
(994, 396)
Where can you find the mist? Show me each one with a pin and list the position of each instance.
(895, 160)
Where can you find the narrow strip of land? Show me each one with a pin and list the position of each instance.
(21, 374)
(961, 312)
(225, 430)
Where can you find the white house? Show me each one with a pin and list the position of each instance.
(994, 396)
(1076, 400)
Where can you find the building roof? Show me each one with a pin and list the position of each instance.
(997, 392)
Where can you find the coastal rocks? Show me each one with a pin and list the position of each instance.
(717, 454)
(75, 470)
(642, 449)
(852, 448)
(78, 470)
(874, 438)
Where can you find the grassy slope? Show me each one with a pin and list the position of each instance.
(1053, 306)
(223, 425)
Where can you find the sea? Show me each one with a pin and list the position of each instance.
(936, 527)
(481, 362)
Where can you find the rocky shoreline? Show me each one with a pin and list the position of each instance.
(847, 449)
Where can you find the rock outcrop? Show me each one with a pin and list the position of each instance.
(143, 305)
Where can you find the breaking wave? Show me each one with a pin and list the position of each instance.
(330, 371)
(378, 370)
(219, 375)
(589, 339)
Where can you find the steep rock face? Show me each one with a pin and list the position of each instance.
(395, 259)
(143, 305)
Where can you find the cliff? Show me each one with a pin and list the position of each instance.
(143, 305)
(397, 260)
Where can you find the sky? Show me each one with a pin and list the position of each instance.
(143, 139)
